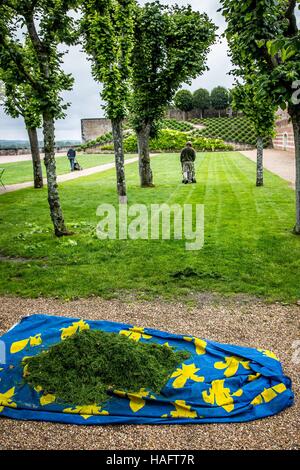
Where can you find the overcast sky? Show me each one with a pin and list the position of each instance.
(85, 98)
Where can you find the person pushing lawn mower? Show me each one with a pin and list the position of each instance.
(72, 159)
(187, 158)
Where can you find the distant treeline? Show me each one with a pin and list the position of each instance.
(24, 144)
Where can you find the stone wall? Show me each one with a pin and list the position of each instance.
(93, 128)
(5, 152)
(174, 113)
(284, 139)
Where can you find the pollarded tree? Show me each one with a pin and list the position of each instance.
(261, 113)
(40, 25)
(201, 100)
(183, 100)
(107, 28)
(170, 48)
(19, 101)
(219, 98)
(263, 37)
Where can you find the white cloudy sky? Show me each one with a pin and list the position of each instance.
(85, 99)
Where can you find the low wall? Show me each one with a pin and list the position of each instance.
(173, 113)
(16, 152)
(240, 147)
(5, 152)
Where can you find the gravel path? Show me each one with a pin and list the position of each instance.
(68, 176)
(280, 162)
(241, 321)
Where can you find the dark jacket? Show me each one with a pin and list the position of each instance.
(188, 154)
(71, 154)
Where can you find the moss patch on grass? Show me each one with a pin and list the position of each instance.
(83, 369)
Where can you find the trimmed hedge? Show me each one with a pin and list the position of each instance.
(170, 140)
(234, 129)
(103, 139)
(176, 125)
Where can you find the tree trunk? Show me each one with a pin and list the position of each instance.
(146, 176)
(295, 114)
(219, 113)
(259, 162)
(49, 160)
(119, 158)
(201, 113)
(36, 159)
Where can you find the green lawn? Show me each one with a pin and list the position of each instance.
(249, 246)
(19, 172)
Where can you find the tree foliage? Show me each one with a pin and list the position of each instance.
(219, 98)
(201, 99)
(263, 37)
(183, 100)
(170, 48)
(22, 51)
(107, 29)
(260, 112)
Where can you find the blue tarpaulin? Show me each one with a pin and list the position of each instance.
(218, 383)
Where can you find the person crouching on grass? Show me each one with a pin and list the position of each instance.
(187, 158)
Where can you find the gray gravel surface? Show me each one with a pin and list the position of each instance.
(242, 321)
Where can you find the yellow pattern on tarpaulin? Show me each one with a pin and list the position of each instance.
(253, 377)
(86, 411)
(182, 410)
(184, 373)
(32, 341)
(220, 395)
(200, 344)
(231, 365)
(73, 329)
(268, 353)
(268, 394)
(6, 399)
(47, 399)
(135, 333)
(136, 400)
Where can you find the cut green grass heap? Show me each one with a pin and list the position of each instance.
(83, 369)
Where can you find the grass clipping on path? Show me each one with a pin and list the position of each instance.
(82, 369)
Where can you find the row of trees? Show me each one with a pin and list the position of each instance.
(201, 99)
(141, 55)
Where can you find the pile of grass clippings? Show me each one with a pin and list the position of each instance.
(84, 368)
